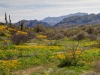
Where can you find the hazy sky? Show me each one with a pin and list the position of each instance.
(39, 9)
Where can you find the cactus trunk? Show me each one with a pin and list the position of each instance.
(9, 21)
(6, 22)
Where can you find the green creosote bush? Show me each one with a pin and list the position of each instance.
(74, 59)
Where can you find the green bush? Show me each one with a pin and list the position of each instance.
(72, 57)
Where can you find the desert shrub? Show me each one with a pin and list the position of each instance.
(91, 30)
(50, 33)
(58, 36)
(55, 36)
(31, 35)
(72, 57)
(21, 38)
(92, 37)
(18, 38)
(62, 31)
(72, 32)
(80, 36)
(39, 28)
(68, 61)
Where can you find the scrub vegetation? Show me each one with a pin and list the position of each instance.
(40, 50)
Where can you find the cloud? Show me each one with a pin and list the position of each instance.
(39, 9)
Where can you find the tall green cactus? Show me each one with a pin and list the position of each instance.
(9, 21)
(22, 24)
(6, 22)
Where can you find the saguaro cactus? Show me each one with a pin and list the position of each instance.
(9, 21)
(6, 22)
(22, 24)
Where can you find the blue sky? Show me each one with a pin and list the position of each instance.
(39, 9)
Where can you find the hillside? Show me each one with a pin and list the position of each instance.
(55, 20)
(50, 52)
(31, 23)
(81, 20)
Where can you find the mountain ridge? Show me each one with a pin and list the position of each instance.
(48, 21)
(81, 20)
(54, 20)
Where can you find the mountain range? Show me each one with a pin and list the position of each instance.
(72, 19)
(54, 20)
(81, 20)
(48, 21)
